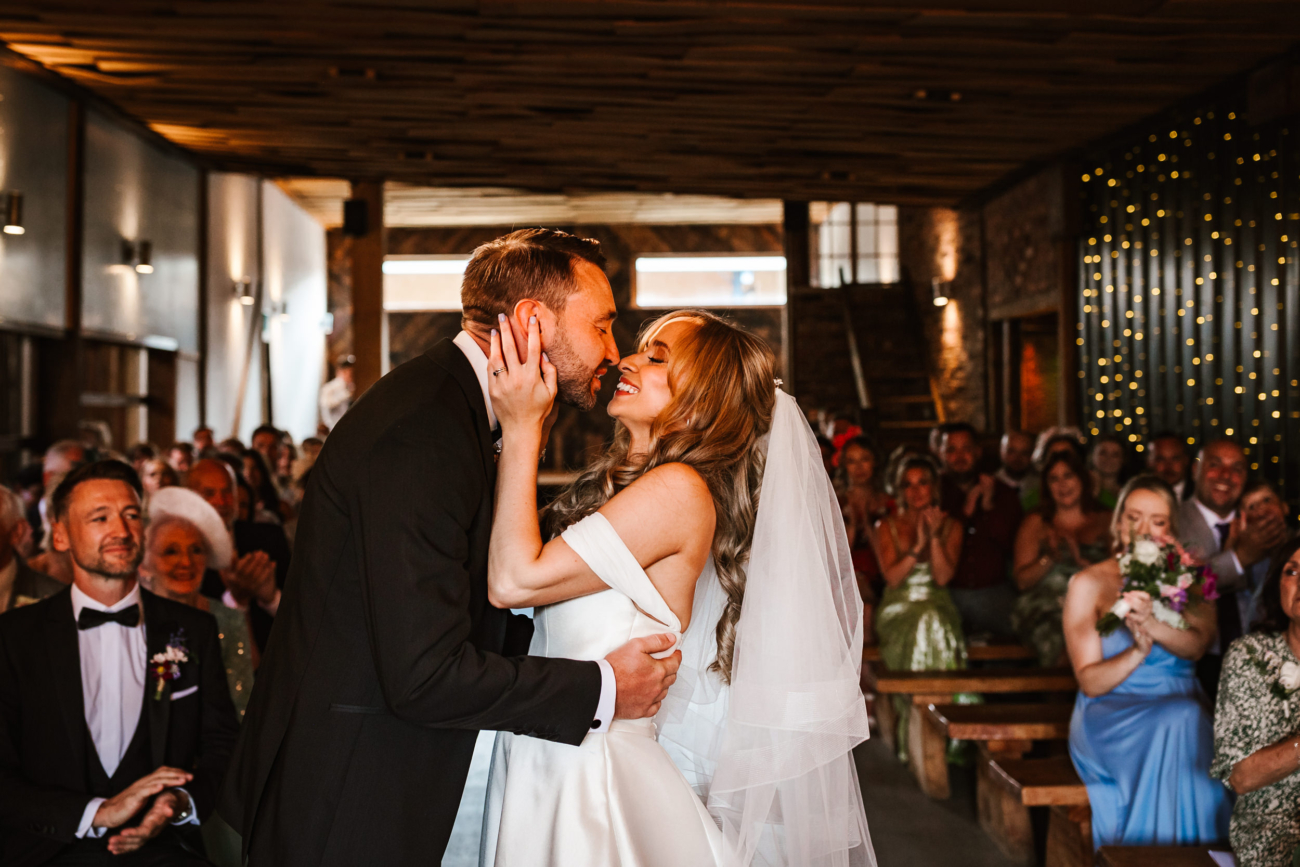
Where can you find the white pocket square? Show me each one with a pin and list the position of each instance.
(184, 692)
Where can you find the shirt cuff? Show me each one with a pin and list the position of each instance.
(608, 694)
(228, 599)
(84, 830)
(1236, 562)
(193, 818)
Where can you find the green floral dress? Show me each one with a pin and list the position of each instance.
(1254, 712)
(919, 629)
(236, 652)
(1036, 616)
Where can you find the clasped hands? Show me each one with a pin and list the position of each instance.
(251, 577)
(1138, 619)
(167, 802)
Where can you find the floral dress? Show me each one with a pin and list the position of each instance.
(1036, 615)
(1255, 711)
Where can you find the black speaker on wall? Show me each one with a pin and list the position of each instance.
(356, 218)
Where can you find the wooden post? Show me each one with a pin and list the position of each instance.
(795, 224)
(368, 287)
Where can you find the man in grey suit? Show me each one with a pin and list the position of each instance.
(1213, 530)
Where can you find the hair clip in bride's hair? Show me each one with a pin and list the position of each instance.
(779, 382)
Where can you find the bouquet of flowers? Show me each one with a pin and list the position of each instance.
(1166, 573)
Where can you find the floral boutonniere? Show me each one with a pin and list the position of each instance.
(166, 666)
(1284, 677)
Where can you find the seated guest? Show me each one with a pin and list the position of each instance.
(181, 457)
(1214, 529)
(156, 474)
(1261, 503)
(231, 446)
(918, 626)
(1054, 440)
(1141, 736)
(20, 584)
(1067, 533)
(989, 513)
(203, 440)
(266, 502)
(1106, 459)
(102, 753)
(138, 454)
(1017, 469)
(311, 447)
(185, 537)
(863, 504)
(261, 550)
(1257, 723)
(1167, 458)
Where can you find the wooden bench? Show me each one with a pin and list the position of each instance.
(1010, 787)
(994, 652)
(939, 687)
(1002, 730)
(1155, 856)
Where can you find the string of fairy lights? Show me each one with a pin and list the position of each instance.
(1188, 281)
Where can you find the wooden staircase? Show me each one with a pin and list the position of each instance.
(900, 403)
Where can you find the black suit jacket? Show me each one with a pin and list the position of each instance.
(43, 776)
(30, 584)
(386, 658)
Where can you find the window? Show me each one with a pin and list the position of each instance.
(423, 282)
(722, 280)
(853, 243)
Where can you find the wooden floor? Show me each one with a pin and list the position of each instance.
(907, 828)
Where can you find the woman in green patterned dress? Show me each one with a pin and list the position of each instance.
(1068, 532)
(1257, 722)
(918, 626)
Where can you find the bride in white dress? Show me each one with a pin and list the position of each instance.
(748, 761)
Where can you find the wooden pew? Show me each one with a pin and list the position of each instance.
(938, 687)
(994, 652)
(1154, 856)
(1014, 785)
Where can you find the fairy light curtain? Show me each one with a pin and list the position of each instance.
(1188, 312)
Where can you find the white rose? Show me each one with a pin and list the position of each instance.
(1290, 677)
(1146, 551)
(1121, 608)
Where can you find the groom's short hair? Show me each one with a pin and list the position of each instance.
(529, 263)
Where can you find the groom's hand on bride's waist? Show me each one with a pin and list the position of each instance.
(642, 681)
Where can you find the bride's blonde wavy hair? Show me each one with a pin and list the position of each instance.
(723, 397)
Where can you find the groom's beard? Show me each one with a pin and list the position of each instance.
(572, 376)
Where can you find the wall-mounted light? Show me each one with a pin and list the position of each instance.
(243, 290)
(14, 214)
(144, 257)
(279, 308)
(940, 290)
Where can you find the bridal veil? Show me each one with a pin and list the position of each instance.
(772, 754)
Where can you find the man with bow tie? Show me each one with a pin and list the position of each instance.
(115, 720)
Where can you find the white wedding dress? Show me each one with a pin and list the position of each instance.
(755, 773)
(617, 799)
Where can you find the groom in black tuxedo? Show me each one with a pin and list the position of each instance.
(101, 761)
(386, 657)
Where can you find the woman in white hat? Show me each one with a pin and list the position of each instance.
(185, 538)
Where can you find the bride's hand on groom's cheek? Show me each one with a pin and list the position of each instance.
(642, 681)
(523, 391)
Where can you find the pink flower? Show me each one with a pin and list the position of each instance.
(1210, 585)
(1185, 580)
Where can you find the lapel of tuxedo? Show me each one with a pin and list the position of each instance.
(1203, 538)
(63, 652)
(448, 356)
(158, 631)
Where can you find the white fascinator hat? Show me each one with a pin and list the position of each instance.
(185, 504)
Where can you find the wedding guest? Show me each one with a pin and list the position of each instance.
(138, 454)
(181, 457)
(203, 441)
(266, 499)
(1054, 440)
(1257, 723)
(828, 455)
(1141, 737)
(917, 624)
(100, 755)
(156, 474)
(864, 503)
(1068, 532)
(1217, 532)
(20, 584)
(59, 460)
(989, 513)
(1260, 502)
(262, 551)
(231, 446)
(184, 539)
(1167, 458)
(1017, 469)
(311, 447)
(336, 395)
(1106, 459)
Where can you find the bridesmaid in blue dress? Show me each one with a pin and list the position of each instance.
(1141, 736)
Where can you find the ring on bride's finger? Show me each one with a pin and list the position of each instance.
(498, 370)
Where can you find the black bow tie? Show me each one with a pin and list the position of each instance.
(92, 617)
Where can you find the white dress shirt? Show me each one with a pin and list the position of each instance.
(114, 662)
(608, 686)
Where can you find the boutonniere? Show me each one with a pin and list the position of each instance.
(166, 666)
(1284, 677)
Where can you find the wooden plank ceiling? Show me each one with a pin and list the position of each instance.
(911, 102)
